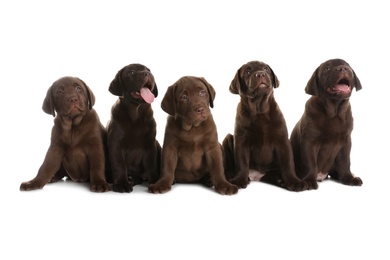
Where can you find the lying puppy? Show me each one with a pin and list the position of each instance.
(321, 139)
(259, 149)
(191, 152)
(77, 147)
(134, 152)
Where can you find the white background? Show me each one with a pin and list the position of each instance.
(42, 41)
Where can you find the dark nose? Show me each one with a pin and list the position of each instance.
(146, 73)
(260, 74)
(73, 99)
(342, 68)
(199, 110)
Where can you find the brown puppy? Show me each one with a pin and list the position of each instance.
(77, 147)
(259, 149)
(134, 152)
(321, 139)
(191, 152)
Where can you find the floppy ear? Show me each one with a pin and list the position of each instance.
(358, 86)
(211, 91)
(116, 86)
(90, 95)
(235, 85)
(48, 103)
(312, 84)
(275, 80)
(168, 104)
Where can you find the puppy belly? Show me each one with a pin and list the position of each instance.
(321, 176)
(76, 165)
(255, 175)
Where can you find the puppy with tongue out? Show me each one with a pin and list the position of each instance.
(133, 151)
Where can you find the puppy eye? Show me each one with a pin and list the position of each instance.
(327, 68)
(184, 98)
(202, 93)
(78, 88)
(247, 72)
(132, 72)
(60, 91)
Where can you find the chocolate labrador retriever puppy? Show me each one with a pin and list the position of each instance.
(259, 149)
(77, 138)
(191, 151)
(321, 139)
(134, 152)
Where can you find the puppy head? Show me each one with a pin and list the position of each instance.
(68, 96)
(254, 80)
(134, 83)
(189, 99)
(333, 79)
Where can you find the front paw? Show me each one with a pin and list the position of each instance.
(240, 182)
(355, 181)
(159, 187)
(101, 186)
(31, 185)
(297, 185)
(122, 187)
(312, 184)
(226, 188)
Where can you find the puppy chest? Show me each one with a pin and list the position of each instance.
(331, 138)
(321, 123)
(260, 147)
(77, 164)
(191, 159)
(326, 156)
(262, 154)
(191, 168)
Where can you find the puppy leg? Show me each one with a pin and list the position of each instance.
(48, 169)
(215, 162)
(117, 147)
(97, 171)
(228, 156)
(285, 159)
(120, 180)
(341, 171)
(156, 176)
(308, 169)
(60, 174)
(168, 166)
(152, 162)
(241, 160)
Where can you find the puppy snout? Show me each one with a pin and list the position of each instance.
(146, 73)
(73, 99)
(199, 110)
(260, 74)
(342, 69)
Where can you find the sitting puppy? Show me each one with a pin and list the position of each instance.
(321, 139)
(191, 152)
(134, 152)
(77, 147)
(259, 149)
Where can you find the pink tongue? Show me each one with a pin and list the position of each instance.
(147, 95)
(342, 88)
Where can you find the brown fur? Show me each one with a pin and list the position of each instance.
(260, 148)
(191, 152)
(77, 139)
(321, 139)
(134, 152)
